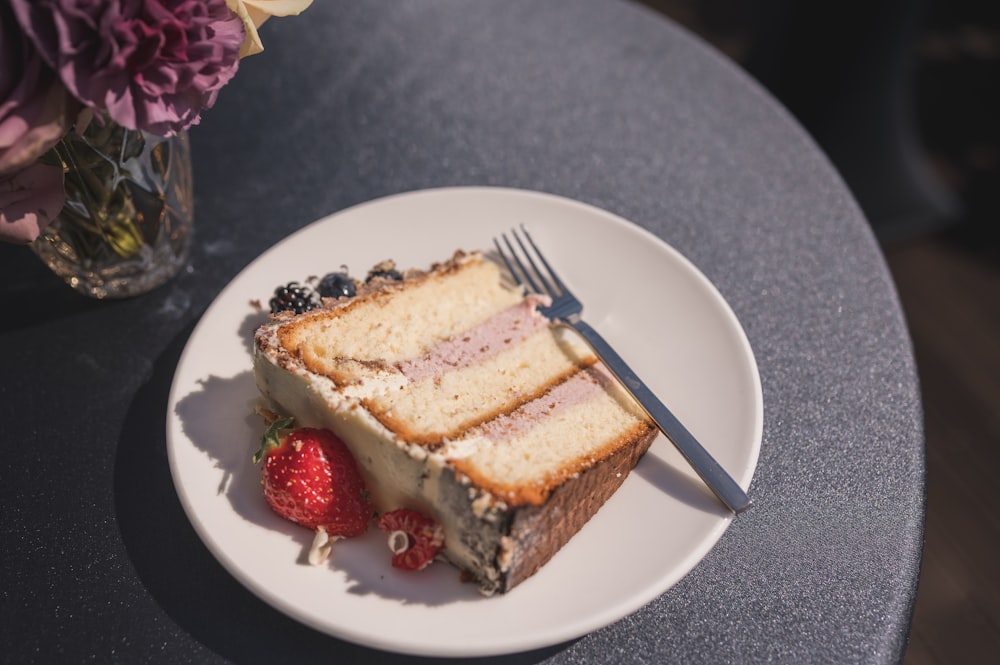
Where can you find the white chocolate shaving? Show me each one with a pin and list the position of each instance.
(399, 542)
(321, 548)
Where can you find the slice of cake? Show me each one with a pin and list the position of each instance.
(460, 401)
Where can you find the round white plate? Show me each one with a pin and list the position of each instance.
(651, 303)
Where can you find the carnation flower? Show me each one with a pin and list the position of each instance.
(253, 13)
(150, 64)
(35, 108)
(29, 200)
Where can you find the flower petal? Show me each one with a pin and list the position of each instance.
(29, 200)
(279, 7)
(253, 13)
(251, 42)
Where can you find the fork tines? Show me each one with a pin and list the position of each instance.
(547, 281)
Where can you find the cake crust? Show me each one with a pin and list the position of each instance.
(569, 507)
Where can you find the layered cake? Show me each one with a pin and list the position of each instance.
(459, 400)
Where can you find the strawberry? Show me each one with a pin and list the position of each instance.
(310, 478)
(414, 538)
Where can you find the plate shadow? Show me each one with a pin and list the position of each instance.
(183, 578)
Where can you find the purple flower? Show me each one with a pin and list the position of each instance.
(29, 200)
(152, 64)
(35, 108)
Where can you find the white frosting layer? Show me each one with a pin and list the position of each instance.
(396, 474)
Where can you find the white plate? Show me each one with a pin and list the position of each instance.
(652, 304)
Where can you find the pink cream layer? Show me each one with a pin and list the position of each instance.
(579, 388)
(499, 332)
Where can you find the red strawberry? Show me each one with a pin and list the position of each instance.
(310, 478)
(413, 538)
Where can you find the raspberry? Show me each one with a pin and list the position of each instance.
(414, 538)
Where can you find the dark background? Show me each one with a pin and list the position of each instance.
(905, 99)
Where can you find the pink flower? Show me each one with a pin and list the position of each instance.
(152, 64)
(29, 200)
(35, 108)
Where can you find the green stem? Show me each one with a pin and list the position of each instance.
(98, 200)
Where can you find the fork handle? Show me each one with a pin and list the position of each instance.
(720, 482)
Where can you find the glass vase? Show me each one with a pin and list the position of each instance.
(128, 218)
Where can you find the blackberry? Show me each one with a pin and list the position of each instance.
(337, 285)
(384, 270)
(295, 297)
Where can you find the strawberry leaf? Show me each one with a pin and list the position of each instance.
(272, 437)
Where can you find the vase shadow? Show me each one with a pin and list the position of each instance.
(32, 295)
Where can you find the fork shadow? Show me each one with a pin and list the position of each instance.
(673, 482)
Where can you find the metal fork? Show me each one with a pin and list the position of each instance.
(566, 309)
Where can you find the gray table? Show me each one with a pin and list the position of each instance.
(597, 100)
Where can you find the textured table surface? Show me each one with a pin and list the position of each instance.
(597, 100)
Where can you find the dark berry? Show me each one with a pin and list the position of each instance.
(294, 297)
(337, 285)
(384, 270)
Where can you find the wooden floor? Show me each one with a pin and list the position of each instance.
(950, 289)
(949, 284)
(948, 279)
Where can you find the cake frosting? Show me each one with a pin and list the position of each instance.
(460, 400)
